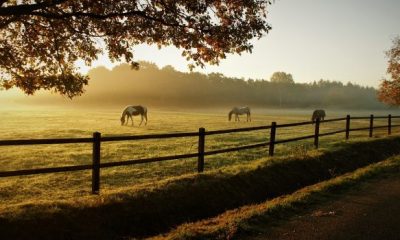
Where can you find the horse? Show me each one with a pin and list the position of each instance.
(318, 114)
(131, 111)
(240, 111)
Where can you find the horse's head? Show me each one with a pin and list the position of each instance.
(230, 115)
(122, 120)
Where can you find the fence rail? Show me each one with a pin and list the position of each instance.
(44, 141)
(97, 139)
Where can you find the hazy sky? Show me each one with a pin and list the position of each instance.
(340, 40)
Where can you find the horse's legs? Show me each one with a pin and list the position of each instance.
(141, 121)
(131, 119)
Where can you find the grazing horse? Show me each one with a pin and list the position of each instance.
(131, 111)
(318, 114)
(240, 111)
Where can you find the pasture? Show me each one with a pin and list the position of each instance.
(63, 123)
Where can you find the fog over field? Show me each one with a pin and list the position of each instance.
(168, 88)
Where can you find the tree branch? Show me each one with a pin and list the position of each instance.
(26, 9)
(103, 16)
(42, 9)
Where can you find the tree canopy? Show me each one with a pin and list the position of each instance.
(282, 77)
(40, 40)
(389, 91)
(167, 87)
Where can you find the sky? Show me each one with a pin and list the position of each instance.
(341, 40)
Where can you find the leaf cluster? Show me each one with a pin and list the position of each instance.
(41, 40)
(389, 91)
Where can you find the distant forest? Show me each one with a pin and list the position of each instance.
(167, 87)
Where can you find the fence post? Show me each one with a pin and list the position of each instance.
(371, 124)
(200, 159)
(316, 135)
(96, 163)
(347, 127)
(389, 124)
(272, 139)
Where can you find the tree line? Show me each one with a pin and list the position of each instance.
(167, 87)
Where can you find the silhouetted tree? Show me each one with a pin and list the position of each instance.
(282, 77)
(389, 91)
(40, 40)
(282, 80)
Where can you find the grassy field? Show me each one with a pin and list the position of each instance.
(61, 123)
(253, 221)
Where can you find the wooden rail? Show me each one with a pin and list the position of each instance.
(97, 139)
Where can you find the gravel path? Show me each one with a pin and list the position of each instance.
(371, 212)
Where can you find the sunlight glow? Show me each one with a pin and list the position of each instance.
(307, 40)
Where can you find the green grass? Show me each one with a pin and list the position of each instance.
(154, 207)
(252, 219)
(62, 123)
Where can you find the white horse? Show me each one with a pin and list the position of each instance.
(240, 111)
(318, 114)
(131, 111)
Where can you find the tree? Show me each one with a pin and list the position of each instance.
(283, 80)
(282, 77)
(40, 40)
(389, 90)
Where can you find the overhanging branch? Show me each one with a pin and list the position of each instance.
(26, 9)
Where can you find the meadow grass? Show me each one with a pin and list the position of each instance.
(155, 207)
(257, 218)
(62, 123)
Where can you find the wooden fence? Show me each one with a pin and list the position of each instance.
(97, 139)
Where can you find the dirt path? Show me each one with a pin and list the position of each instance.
(372, 212)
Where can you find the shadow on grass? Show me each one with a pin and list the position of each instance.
(144, 213)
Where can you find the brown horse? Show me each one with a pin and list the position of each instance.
(318, 114)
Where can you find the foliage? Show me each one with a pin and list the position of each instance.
(282, 78)
(167, 87)
(389, 91)
(41, 40)
(282, 81)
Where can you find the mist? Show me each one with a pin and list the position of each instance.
(168, 88)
